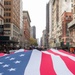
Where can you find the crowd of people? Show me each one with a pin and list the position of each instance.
(5, 49)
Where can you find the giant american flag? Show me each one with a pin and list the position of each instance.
(34, 62)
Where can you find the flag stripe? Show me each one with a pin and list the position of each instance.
(46, 67)
(67, 53)
(59, 65)
(69, 63)
(33, 66)
(63, 54)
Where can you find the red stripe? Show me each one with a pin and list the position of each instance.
(69, 63)
(2, 54)
(67, 53)
(46, 67)
(25, 50)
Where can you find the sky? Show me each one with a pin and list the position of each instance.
(37, 13)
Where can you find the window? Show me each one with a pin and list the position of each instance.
(7, 9)
(7, 2)
(0, 21)
(6, 32)
(70, 17)
(8, 20)
(66, 17)
(72, 10)
(6, 25)
(71, 0)
(71, 5)
(1, 29)
(1, 11)
(7, 14)
(65, 0)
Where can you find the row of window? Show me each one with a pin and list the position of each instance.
(7, 9)
(7, 25)
(7, 32)
(73, 1)
(15, 34)
(7, 14)
(7, 2)
(73, 10)
(7, 20)
(68, 17)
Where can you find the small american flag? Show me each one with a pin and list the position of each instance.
(34, 62)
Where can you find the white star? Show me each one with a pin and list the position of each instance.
(12, 69)
(1, 63)
(7, 57)
(17, 62)
(12, 58)
(1, 73)
(22, 55)
(5, 65)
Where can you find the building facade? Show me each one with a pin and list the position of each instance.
(11, 22)
(26, 24)
(71, 25)
(1, 17)
(66, 18)
(55, 21)
(50, 39)
(22, 37)
(44, 39)
(33, 32)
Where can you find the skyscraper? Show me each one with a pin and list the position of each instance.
(47, 24)
(33, 32)
(26, 24)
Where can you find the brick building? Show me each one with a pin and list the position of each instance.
(66, 18)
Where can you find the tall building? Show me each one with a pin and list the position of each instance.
(47, 24)
(71, 25)
(1, 16)
(12, 20)
(26, 24)
(33, 32)
(50, 39)
(22, 37)
(55, 21)
(44, 38)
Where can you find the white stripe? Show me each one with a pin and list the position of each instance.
(33, 67)
(20, 50)
(63, 54)
(59, 65)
